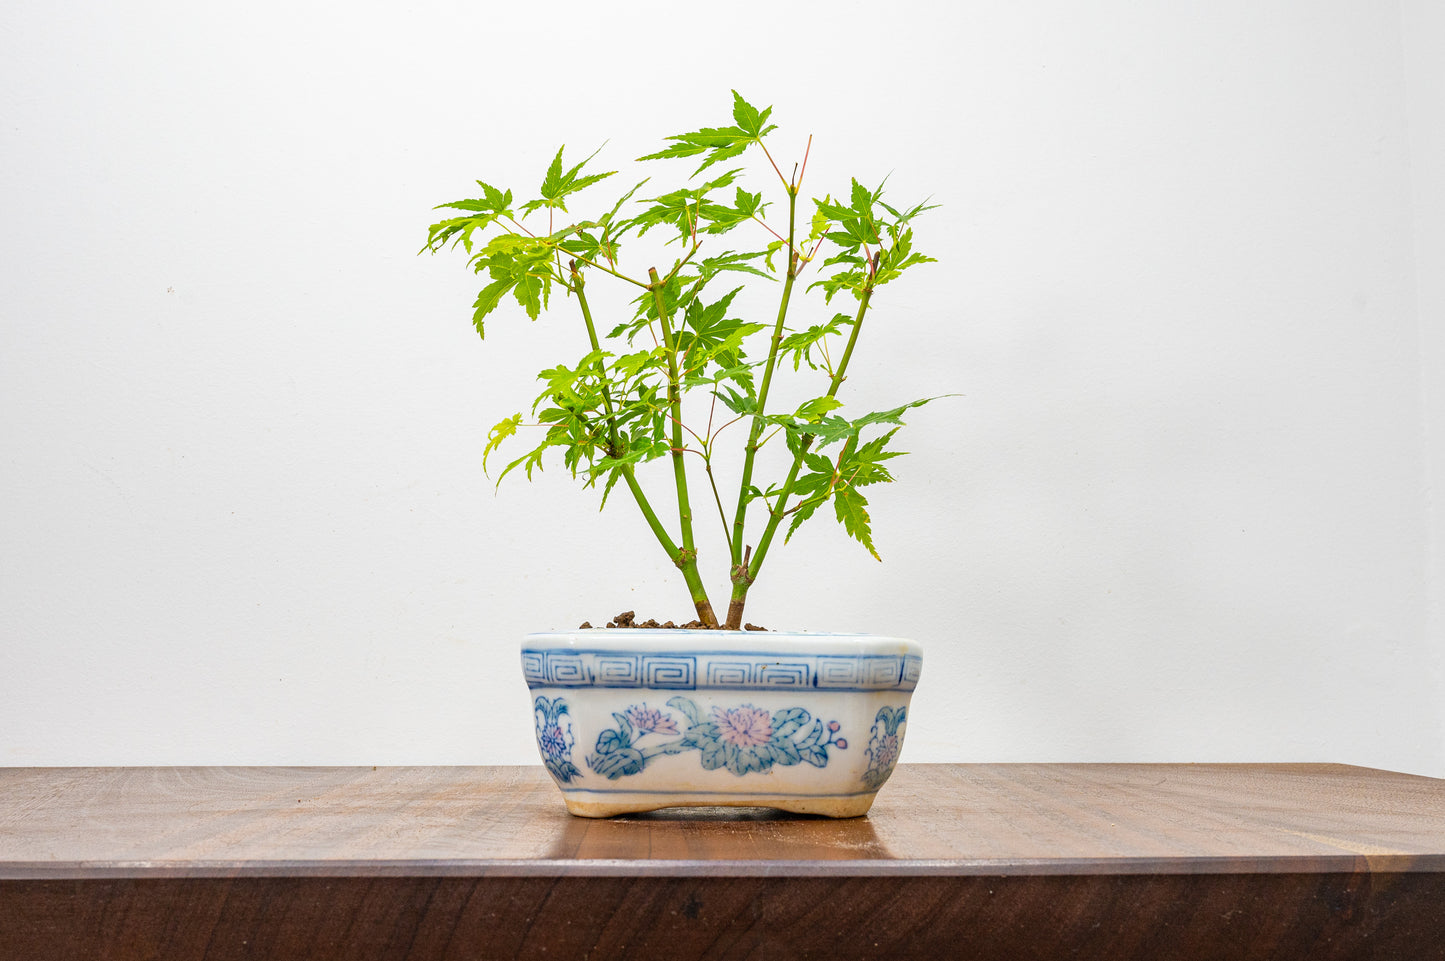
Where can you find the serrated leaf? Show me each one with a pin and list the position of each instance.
(583, 243)
(854, 472)
(721, 218)
(557, 186)
(862, 200)
(552, 180)
(773, 248)
(855, 281)
(831, 211)
(801, 513)
(814, 410)
(864, 465)
(493, 200)
(530, 291)
(612, 476)
(710, 267)
(748, 204)
(487, 300)
(682, 208)
(800, 345)
(499, 433)
(893, 416)
(509, 245)
(742, 375)
(531, 459)
(819, 226)
(818, 463)
(903, 218)
(749, 119)
(719, 143)
(742, 404)
(831, 429)
(852, 511)
(814, 483)
(630, 365)
(813, 490)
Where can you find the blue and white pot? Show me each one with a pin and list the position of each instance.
(636, 720)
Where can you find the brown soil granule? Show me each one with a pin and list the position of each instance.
(629, 619)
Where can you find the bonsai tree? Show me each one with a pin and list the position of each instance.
(665, 382)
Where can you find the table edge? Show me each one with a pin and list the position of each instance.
(599, 867)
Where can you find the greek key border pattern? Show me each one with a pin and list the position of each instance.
(721, 671)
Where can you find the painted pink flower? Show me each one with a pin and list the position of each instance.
(556, 742)
(745, 726)
(885, 751)
(651, 720)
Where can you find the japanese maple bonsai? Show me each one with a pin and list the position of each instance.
(649, 386)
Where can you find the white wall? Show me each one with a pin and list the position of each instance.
(1424, 32)
(1188, 289)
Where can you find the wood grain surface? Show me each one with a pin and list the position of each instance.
(1006, 818)
(975, 861)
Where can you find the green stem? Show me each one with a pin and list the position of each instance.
(755, 435)
(686, 559)
(628, 475)
(593, 263)
(680, 264)
(658, 530)
(722, 515)
(577, 286)
(740, 566)
(780, 507)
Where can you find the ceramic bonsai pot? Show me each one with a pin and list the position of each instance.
(637, 720)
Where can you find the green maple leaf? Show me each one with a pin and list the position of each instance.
(745, 207)
(801, 344)
(685, 208)
(519, 264)
(864, 465)
(556, 185)
(487, 300)
(493, 204)
(750, 126)
(498, 434)
(710, 267)
(852, 510)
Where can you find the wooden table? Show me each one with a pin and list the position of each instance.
(1106, 861)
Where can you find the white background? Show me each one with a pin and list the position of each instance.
(1191, 289)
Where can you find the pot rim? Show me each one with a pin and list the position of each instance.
(720, 660)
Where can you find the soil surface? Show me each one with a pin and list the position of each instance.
(629, 619)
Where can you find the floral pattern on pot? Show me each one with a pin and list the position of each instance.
(884, 744)
(555, 738)
(741, 739)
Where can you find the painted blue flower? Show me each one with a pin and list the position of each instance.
(555, 738)
(554, 742)
(884, 745)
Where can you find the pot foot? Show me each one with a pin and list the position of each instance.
(832, 807)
